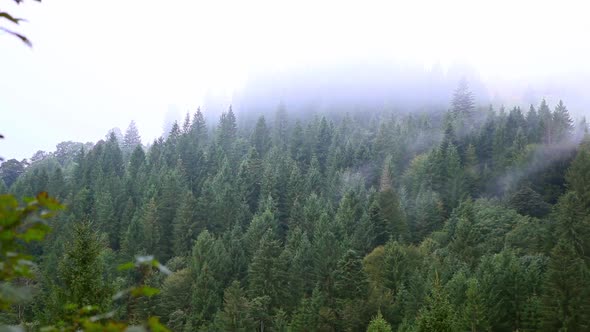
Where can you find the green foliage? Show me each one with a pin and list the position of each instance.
(378, 324)
(565, 302)
(314, 225)
(81, 279)
(437, 315)
(21, 223)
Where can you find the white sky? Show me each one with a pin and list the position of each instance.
(99, 64)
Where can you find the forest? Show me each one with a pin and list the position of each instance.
(474, 218)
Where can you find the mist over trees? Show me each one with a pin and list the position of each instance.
(460, 218)
(353, 87)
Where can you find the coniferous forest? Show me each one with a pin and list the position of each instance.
(471, 219)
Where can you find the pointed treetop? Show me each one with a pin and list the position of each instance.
(463, 102)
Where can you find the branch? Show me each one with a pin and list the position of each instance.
(19, 36)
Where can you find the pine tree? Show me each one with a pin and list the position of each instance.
(454, 189)
(351, 281)
(112, 159)
(437, 315)
(266, 271)
(546, 123)
(390, 207)
(533, 125)
(199, 129)
(281, 126)
(236, 309)
(379, 224)
(307, 316)
(81, 271)
(150, 227)
(326, 254)
(186, 124)
(185, 225)
(131, 139)
(378, 324)
(208, 265)
(323, 143)
(297, 147)
(578, 175)
(564, 125)
(463, 103)
(261, 137)
(174, 299)
(227, 131)
(475, 313)
(526, 201)
(250, 179)
(105, 218)
(566, 291)
(428, 214)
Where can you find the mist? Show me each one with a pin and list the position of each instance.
(95, 66)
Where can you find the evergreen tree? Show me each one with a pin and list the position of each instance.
(526, 201)
(351, 282)
(10, 170)
(227, 131)
(131, 139)
(208, 264)
(249, 177)
(261, 137)
(266, 272)
(185, 226)
(475, 313)
(546, 123)
(533, 125)
(463, 103)
(236, 309)
(150, 228)
(437, 315)
(378, 324)
(390, 207)
(564, 125)
(174, 300)
(281, 126)
(199, 128)
(566, 291)
(323, 143)
(81, 271)
(297, 147)
(578, 175)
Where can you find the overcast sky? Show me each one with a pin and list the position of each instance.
(96, 65)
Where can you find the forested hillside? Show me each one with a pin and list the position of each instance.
(473, 219)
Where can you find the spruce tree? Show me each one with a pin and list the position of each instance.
(266, 271)
(565, 301)
(463, 100)
(378, 324)
(437, 315)
(132, 139)
(261, 137)
(236, 309)
(81, 271)
(185, 226)
(564, 125)
(198, 129)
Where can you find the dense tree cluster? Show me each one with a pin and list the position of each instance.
(472, 219)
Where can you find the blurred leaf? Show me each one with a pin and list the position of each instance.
(10, 17)
(144, 291)
(126, 266)
(155, 325)
(19, 36)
